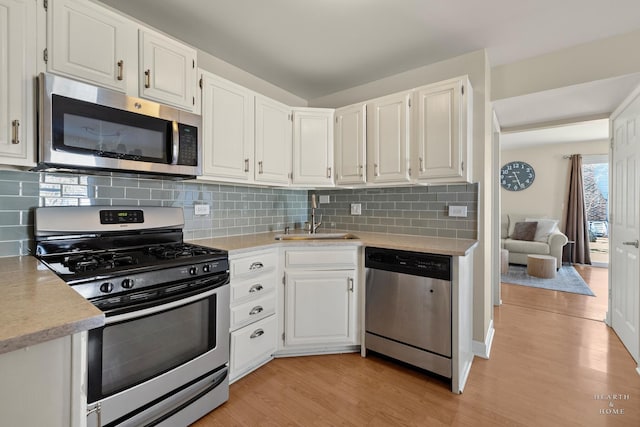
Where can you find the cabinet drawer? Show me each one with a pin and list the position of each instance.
(253, 264)
(242, 289)
(253, 310)
(253, 345)
(323, 259)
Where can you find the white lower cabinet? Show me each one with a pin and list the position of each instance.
(254, 327)
(320, 301)
(44, 385)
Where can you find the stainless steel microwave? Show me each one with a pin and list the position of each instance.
(88, 128)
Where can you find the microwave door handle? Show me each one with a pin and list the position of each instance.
(175, 143)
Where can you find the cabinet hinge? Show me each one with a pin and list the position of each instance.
(45, 55)
(283, 280)
(45, 4)
(336, 120)
(462, 166)
(409, 102)
(200, 83)
(193, 63)
(194, 100)
(290, 175)
(283, 336)
(462, 89)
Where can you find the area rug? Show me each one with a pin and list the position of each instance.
(567, 280)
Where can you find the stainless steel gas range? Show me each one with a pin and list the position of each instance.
(162, 356)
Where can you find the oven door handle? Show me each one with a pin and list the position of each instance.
(159, 308)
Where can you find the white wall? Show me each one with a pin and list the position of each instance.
(548, 194)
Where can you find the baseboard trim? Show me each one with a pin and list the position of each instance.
(483, 349)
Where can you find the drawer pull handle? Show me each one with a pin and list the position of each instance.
(120, 70)
(255, 310)
(246, 165)
(15, 132)
(256, 288)
(256, 265)
(350, 283)
(147, 79)
(257, 333)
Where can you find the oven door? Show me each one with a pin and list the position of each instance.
(149, 363)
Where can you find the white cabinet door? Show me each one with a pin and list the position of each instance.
(320, 308)
(312, 146)
(168, 71)
(388, 139)
(350, 144)
(227, 123)
(273, 141)
(89, 42)
(17, 71)
(442, 138)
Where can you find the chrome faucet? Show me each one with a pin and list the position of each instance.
(314, 226)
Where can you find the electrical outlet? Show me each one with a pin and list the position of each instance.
(201, 209)
(324, 199)
(356, 209)
(458, 211)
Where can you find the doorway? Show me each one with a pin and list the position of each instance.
(595, 173)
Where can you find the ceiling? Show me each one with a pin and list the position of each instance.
(315, 48)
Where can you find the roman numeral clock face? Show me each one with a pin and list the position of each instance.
(516, 176)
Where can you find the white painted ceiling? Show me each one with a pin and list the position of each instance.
(315, 48)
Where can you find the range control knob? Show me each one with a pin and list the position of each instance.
(193, 271)
(127, 283)
(206, 268)
(106, 287)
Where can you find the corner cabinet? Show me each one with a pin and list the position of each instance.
(312, 146)
(227, 130)
(350, 144)
(17, 69)
(320, 301)
(272, 142)
(91, 43)
(388, 139)
(168, 72)
(443, 131)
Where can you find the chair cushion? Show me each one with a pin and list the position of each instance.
(525, 247)
(545, 228)
(524, 231)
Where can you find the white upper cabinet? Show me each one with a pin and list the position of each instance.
(227, 128)
(91, 43)
(168, 71)
(273, 141)
(350, 144)
(443, 131)
(312, 146)
(388, 139)
(17, 70)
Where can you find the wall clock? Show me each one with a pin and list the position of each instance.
(516, 176)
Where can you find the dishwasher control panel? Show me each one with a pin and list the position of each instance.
(415, 263)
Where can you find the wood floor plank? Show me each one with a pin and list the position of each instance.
(548, 363)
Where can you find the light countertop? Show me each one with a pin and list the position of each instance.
(37, 306)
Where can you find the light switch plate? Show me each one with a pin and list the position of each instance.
(458, 211)
(201, 209)
(356, 209)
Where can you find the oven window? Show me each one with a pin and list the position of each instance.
(83, 127)
(139, 349)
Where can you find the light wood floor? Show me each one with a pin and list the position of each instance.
(547, 366)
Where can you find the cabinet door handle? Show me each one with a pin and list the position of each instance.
(147, 79)
(256, 288)
(260, 167)
(255, 310)
(15, 129)
(256, 265)
(350, 282)
(421, 164)
(329, 172)
(246, 165)
(257, 333)
(120, 70)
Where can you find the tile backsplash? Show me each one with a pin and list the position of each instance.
(235, 209)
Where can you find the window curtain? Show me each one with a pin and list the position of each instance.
(576, 227)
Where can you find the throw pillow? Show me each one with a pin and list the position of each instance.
(524, 231)
(545, 228)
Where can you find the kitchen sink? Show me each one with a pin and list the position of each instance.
(316, 236)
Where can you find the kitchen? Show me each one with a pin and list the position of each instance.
(285, 207)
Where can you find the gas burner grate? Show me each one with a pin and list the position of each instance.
(90, 262)
(178, 251)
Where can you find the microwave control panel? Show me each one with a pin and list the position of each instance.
(188, 154)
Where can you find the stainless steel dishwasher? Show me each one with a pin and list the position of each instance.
(408, 307)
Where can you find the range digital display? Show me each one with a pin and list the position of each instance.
(121, 217)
